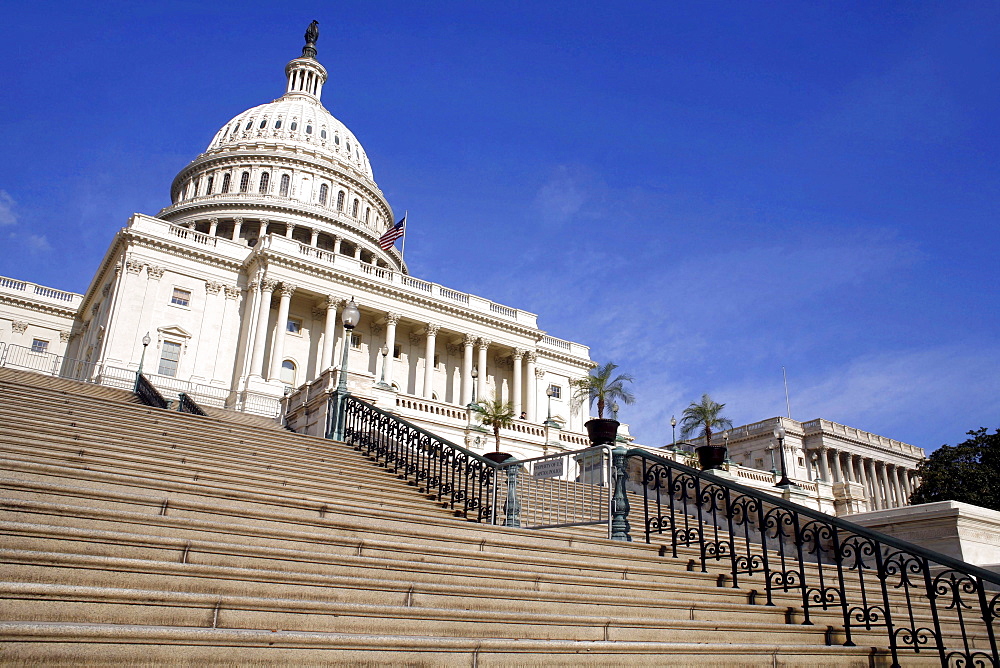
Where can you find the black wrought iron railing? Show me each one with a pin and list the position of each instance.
(465, 482)
(920, 602)
(148, 394)
(185, 404)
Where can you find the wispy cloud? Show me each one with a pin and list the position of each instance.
(7, 214)
(37, 243)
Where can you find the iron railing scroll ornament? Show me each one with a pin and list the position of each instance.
(185, 404)
(148, 394)
(458, 478)
(841, 574)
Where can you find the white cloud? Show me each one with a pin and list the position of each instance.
(7, 204)
(561, 198)
(37, 243)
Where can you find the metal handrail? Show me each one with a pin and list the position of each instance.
(148, 394)
(830, 563)
(464, 481)
(185, 404)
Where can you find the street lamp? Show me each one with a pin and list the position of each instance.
(770, 449)
(145, 343)
(385, 356)
(475, 375)
(779, 433)
(673, 433)
(548, 418)
(614, 410)
(350, 319)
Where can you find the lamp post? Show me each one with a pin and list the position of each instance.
(385, 356)
(145, 343)
(770, 450)
(673, 433)
(475, 375)
(548, 418)
(779, 433)
(350, 319)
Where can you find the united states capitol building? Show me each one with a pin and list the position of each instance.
(233, 294)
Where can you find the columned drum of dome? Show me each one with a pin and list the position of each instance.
(281, 158)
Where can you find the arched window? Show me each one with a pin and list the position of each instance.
(225, 183)
(249, 125)
(263, 124)
(368, 214)
(208, 185)
(294, 126)
(197, 184)
(288, 372)
(322, 133)
(336, 139)
(348, 147)
(265, 181)
(285, 180)
(323, 190)
(309, 129)
(340, 201)
(354, 208)
(245, 182)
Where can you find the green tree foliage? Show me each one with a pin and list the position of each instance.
(704, 417)
(968, 472)
(601, 386)
(495, 413)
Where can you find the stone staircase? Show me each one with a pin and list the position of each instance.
(142, 536)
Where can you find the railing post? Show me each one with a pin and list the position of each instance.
(619, 503)
(512, 506)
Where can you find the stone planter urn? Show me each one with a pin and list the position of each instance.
(711, 456)
(602, 431)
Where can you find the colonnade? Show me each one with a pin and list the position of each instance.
(474, 349)
(887, 485)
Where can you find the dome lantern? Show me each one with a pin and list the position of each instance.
(305, 75)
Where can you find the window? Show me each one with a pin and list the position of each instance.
(245, 182)
(437, 360)
(368, 214)
(285, 180)
(294, 126)
(39, 346)
(293, 326)
(355, 341)
(183, 193)
(263, 124)
(265, 181)
(277, 124)
(801, 462)
(181, 297)
(323, 190)
(336, 139)
(354, 208)
(340, 201)
(556, 391)
(249, 125)
(758, 464)
(197, 183)
(288, 372)
(209, 184)
(225, 183)
(348, 147)
(309, 129)
(322, 134)
(170, 354)
(397, 351)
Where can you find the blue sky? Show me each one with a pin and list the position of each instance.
(702, 192)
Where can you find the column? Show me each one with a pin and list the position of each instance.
(336, 245)
(516, 390)
(314, 238)
(481, 385)
(267, 287)
(824, 472)
(329, 332)
(834, 459)
(263, 227)
(213, 226)
(357, 252)
(845, 460)
(880, 468)
(907, 483)
(529, 371)
(280, 327)
(391, 320)
(289, 228)
(467, 342)
(897, 487)
(237, 227)
(872, 479)
(432, 331)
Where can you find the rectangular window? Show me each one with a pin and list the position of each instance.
(758, 463)
(294, 326)
(397, 351)
(170, 355)
(355, 341)
(437, 359)
(181, 297)
(556, 391)
(39, 346)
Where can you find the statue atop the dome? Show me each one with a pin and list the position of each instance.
(312, 34)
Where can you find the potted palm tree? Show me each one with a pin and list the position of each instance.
(602, 387)
(496, 414)
(706, 417)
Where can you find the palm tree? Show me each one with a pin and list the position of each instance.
(495, 413)
(601, 386)
(706, 417)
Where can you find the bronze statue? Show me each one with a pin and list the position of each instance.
(312, 33)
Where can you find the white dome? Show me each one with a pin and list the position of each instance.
(294, 122)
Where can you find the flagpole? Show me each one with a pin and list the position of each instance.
(402, 251)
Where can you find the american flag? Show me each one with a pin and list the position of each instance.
(395, 232)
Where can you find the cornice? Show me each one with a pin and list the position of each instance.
(143, 240)
(585, 362)
(38, 307)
